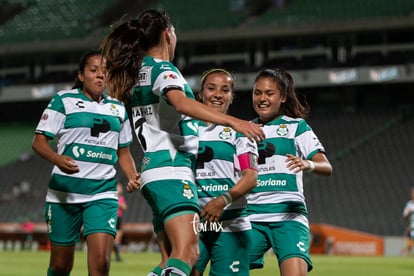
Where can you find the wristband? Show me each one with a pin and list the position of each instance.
(227, 198)
(311, 166)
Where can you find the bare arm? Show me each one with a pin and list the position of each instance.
(214, 208)
(127, 164)
(65, 163)
(200, 111)
(321, 162)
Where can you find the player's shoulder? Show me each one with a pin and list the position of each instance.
(112, 100)
(161, 65)
(292, 120)
(67, 92)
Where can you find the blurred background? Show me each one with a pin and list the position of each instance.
(352, 61)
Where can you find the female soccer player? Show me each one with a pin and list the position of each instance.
(277, 208)
(139, 54)
(93, 133)
(226, 171)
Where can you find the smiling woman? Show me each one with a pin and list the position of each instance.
(92, 128)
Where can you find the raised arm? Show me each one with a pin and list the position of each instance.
(200, 111)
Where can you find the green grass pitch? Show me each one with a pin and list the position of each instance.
(35, 264)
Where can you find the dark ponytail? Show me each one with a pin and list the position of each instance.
(125, 47)
(123, 60)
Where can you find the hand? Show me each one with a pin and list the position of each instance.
(213, 209)
(252, 131)
(296, 164)
(66, 164)
(134, 183)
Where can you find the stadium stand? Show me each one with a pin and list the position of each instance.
(366, 134)
(303, 12)
(369, 185)
(50, 19)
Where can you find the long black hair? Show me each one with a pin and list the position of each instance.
(125, 47)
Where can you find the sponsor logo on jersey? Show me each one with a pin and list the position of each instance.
(94, 142)
(170, 76)
(79, 151)
(100, 126)
(206, 174)
(271, 182)
(282, 130)
(316, 141)
(80, 104)
(165, 67)
(225, 134)
(44, 116)
(213, 188)
(266, 149)
(145, 162)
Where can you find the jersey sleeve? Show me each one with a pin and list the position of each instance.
(53, 118)
(243, 146)
(307, 142)
(168, 77)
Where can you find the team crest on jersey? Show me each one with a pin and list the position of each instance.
(282, 130)
(225, 134)
(170, 76)
(114, 109)
(187, 192)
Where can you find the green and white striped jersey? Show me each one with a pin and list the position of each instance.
(168, 139)
(90, 133)
(408, 213)
(279, 195)
(218, 170)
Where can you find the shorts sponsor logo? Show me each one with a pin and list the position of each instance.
(111, 223)
(301, 246)
(234, 267)
(267, 169)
